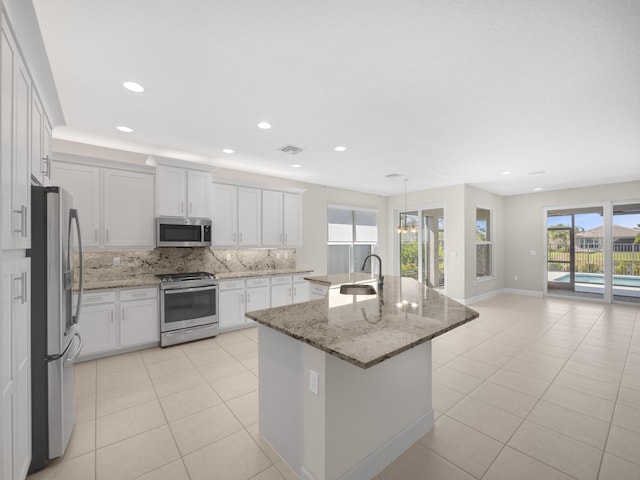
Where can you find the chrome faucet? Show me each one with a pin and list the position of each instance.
(380, 277)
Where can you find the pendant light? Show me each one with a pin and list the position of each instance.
(402, 228)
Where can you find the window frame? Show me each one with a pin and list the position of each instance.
(354, 242)
(488, 242)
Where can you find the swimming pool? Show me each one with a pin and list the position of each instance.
(598, 279)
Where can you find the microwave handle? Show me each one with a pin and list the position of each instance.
(188, 290)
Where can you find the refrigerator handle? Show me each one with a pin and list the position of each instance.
(74, 216)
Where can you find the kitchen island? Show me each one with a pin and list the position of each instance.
(345, 381)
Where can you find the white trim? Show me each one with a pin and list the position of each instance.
(519, 291)
(483, 296)
(102, 162)
(243, 183)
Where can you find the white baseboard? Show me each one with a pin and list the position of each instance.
(512, 291)
(518, 291)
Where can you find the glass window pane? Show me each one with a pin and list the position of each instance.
(483, 260)
(359, 254)
(483, 225)
(338, 259)
(340, 225)
(366, 226)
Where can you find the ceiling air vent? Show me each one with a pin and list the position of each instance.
(393, 175)
(290, 149)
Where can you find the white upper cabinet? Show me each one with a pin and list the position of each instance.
(245, 216)
(15, 138)
(199, 194)
(40, 141)
(183, 193)
(292, 219)
(249, 216)
(281, 213)
(115, 207)
(128, 218)
(224, 215)
(272, 218)
(236, 215)
(83, 183)
(171, 188)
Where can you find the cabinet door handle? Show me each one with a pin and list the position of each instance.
(280, 238)
(285, 238)
(23, 287)
(190, 207)
(111, 316)
(240, 237)
(138, 294)
(123, 315)
(182, 207)
(45, 166)
(22, 211)
(241, 298)
(234, 237)
(248, 298)
(107, 232)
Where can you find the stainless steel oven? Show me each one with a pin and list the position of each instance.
(188, 307)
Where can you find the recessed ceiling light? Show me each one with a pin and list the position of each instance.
(124, 129)
(340, 149)
(264, 125)
(227, 150)
(537, 189)
(296, 165)
(505, 173)
(133, 87)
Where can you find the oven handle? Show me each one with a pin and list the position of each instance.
(187, 290)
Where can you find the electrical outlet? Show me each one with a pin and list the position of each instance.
(314, 380)
(532, 252)
(228, 257)
(116, 261)
(515, 277)
(277, 255)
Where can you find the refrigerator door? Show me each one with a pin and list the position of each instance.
(60, 271)
(62, 406)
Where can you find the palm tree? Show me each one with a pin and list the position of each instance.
(637, 240)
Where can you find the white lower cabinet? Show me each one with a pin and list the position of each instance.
(112, 320)
(301, 289)
(231, 304)
(15, 369)
(98, 329)
(281, 291)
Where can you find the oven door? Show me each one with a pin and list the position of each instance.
(188, 307)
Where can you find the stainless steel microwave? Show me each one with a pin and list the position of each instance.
(183, 232)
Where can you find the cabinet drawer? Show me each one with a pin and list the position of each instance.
(300, 278)
(281, 280)
(258, 282)
(231, 285)
(138, 293)
(96, 298)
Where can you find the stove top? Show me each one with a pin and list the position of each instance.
(185, 277)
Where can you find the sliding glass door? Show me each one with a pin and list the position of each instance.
(626, 253)
(422, 246)
(575, 255)
(593, 254)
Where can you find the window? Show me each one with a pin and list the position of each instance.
(484, 243)
(352, 235)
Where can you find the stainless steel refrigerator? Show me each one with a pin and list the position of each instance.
(55, 341)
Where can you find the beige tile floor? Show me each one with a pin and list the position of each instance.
(534, 389)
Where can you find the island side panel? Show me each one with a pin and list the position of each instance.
(280, 394)
(373, 415)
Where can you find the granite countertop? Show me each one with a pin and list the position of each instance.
(368, 329)
(261, 273)
(150, 280)
(145, 280)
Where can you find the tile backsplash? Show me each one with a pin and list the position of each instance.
(100, 265)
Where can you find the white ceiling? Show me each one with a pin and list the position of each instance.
(440, 91)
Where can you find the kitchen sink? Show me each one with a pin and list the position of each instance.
(357, 289)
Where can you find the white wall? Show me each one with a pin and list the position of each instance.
(525, 227)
